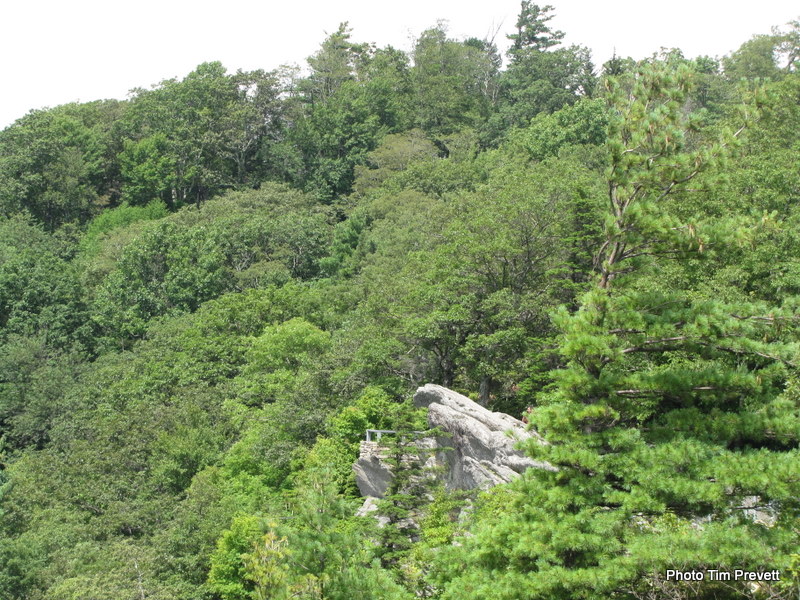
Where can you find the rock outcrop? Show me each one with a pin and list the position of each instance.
(477, 448)
(373, 476)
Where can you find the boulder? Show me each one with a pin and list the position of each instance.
(475, 448)
(478, 448)
(369, 507)
(373, 476)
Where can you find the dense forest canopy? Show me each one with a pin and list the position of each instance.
(208, 292)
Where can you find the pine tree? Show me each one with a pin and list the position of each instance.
(407, 494)
(533, 32)
(675, 424)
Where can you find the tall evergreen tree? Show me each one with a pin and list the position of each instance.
(542, 76)
(533, 32)
(673, 406)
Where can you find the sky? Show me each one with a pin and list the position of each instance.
(58, 51)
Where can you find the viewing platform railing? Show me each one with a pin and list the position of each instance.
(374, 435)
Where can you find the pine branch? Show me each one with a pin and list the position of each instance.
(650, 346)
(645, 346)
(634, 393)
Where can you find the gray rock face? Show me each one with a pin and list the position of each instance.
(373, 476)
(369, 507)
(476, 448)
(483, 443)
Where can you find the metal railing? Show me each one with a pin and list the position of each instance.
(374, 435)
(377, 433)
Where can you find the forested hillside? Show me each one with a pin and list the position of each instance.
(208, 292)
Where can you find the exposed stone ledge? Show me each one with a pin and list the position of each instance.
(477, 447)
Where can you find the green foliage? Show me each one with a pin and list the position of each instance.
(395, 153)
(265, 567)
(164, 271)
(148, 169)
(539, 81)
(451, 80)
(188, 140)
(174, 265)
(582, 123)
(346, 238)
(532, 29)
(231, 571)
(404, 502)
(760, 178)
(136, 452)
(644, 476)
(438, 527)
(337, 136)
(373, 409)
(289, 345)
(354, 95)
(279, 360)
(756, 58)
(541, 77)
(55, 164)
(335, 457)
(118, 217)
(34, 377)
(319, 552)
(336, 62)
(460, 290)
(39, 289)
(439, 178)
(183, 388)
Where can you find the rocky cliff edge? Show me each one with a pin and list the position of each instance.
(477, 448)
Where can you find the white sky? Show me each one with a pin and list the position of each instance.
(58, 51)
